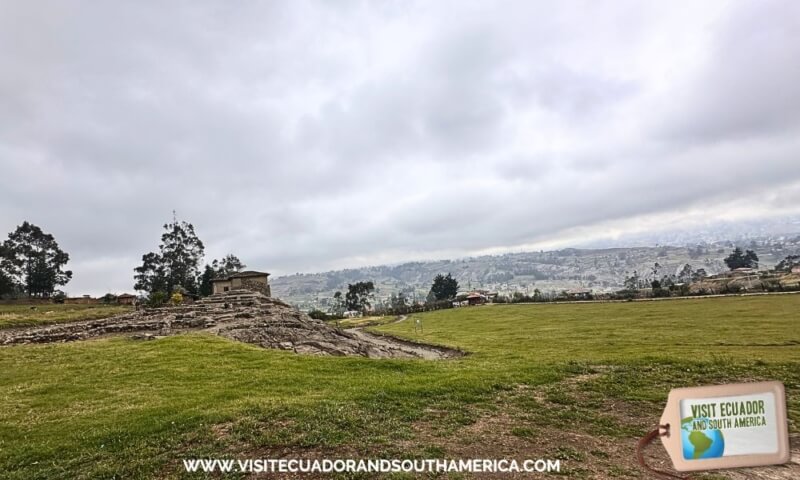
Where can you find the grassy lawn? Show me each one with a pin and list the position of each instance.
(575, 382)
(24, 315)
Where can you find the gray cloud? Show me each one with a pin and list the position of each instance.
(749, 84)
(309, 135)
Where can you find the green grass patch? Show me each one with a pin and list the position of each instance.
(362, 321)
(118, 408)
(744, 328)
(44, 314)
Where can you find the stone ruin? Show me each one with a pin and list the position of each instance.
(242, 315)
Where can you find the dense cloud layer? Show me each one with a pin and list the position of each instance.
(311, 135)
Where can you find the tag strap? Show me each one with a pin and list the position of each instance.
(661, 431)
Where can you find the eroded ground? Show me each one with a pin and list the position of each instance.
(245, 316)
(593, 434)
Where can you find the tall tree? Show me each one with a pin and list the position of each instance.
(399, 301)
(338, 303)
(229, 265)
(430, 299)
(151, 275)
(444, 287)
(788, 263)
(8, 288)
(656, 268)
(206, 285)
(686, 273)
(739, 259)
(359, 295)
(177, 263)
(633, 282)
(8, 284)
(182, 253)
(33, 260)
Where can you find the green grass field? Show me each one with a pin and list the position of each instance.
(576, 382)
(24, 315)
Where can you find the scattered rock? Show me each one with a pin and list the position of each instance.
(143, 336)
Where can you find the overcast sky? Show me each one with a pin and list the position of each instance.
(306, 136)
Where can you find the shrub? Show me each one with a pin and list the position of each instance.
(176, 298)
(660, 293)
(157, 299)
(318, 315)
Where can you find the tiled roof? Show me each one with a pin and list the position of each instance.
(245, 274)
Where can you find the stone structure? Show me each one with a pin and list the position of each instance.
(242, 315)
(126, 299)
(248, 280)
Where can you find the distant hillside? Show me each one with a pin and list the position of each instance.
(599, 269)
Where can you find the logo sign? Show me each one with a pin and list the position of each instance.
(726, 426)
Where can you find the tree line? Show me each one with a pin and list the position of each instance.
(360, 298)
(32, 264)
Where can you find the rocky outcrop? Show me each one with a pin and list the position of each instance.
(732, 282)
(241, 315)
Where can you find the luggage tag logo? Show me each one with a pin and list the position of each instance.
(724, 426)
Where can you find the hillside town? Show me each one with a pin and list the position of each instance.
(567, 274)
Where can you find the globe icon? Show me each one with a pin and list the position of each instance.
(699, 444)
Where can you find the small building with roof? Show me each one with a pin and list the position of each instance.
(248, 280)
(579, 294)
(476, 298)
(126, 299)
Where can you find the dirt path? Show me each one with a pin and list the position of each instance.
(399, 319)
(405, 348)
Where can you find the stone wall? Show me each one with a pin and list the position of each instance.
(219, 286)
(256, 286)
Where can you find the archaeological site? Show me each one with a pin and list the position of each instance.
(239, 314)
